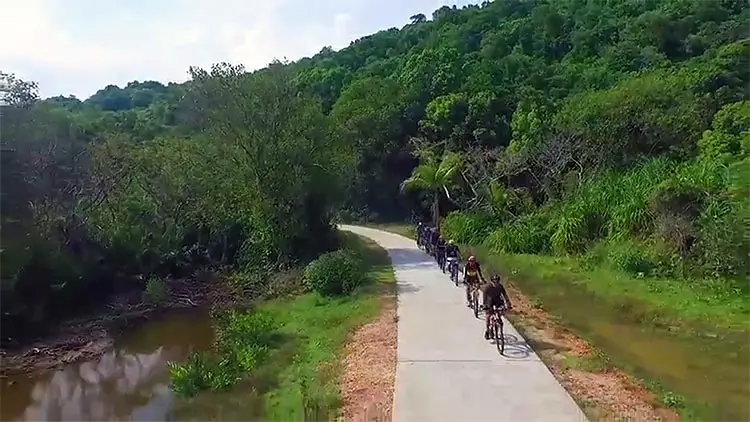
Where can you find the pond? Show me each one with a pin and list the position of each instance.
(129, 382)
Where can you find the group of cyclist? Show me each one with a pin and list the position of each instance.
(494, 297)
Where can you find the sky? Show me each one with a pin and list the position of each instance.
(80, 46)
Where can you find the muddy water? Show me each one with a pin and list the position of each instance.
(712, 370)
(130, 382)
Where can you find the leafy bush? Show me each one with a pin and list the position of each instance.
(244, 338)
(243, 342)
(723, 243)
(729, 134)
(334, 273)
(157, 291)
(631, 257)
(200, 372)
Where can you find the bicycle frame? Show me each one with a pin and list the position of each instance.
(495, 318)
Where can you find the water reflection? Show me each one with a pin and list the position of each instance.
(130, 382)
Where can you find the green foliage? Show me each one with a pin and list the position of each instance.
(468, 228)
(527, 234)
(729, 135)
(334, 273)
(244, 341)
(604, 121)
(199, 373)
(438, 178)
(631, 257)
(157, 291)
(661, 218)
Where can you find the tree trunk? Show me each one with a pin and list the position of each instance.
(436, 209)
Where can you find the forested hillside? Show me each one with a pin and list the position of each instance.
(619, 129)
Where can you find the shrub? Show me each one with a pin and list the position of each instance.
(723, 241)
(631, 257)
(334, 273)
(243, 342)
(157, 291)
(468, 228)
(524, 235)
(193, 376)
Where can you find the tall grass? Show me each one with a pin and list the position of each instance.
(660, 218)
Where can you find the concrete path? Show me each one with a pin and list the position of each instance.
(446, 370)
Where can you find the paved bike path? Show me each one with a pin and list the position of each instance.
(445, 370)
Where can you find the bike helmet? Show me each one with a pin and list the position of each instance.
(450, 242)
(495, 278)
(472, 258)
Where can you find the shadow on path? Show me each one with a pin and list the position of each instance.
(410, 258)
(515, 348)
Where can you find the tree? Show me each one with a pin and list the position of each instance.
(437, 178)
(17, 92)
(418, 18)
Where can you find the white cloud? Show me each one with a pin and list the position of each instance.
(30, 34)
(184, 37)
(79, 46)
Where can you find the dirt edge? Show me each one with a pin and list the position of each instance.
(604, 392)
(369, 366)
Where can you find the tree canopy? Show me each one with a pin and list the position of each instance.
(575, 122)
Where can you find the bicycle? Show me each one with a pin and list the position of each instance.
(475, 299)
(441, 260)
(453, 269)
(496, 327)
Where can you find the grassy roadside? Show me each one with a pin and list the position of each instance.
(689, 349)
(310, 382)
(301, 376)
(686, 344)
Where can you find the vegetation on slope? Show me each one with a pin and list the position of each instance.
(614, 133)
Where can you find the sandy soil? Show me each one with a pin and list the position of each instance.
(370, 367)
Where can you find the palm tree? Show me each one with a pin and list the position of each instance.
(437, 177)
(418, 18)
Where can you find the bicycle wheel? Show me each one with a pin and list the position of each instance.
(499, 337)
(495, 332)
(475, 303)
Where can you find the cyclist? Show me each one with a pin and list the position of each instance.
(494, 298)
(472, 276)
(434, 236)
(427, 240)
(420, 233)
(452, 253)
(440, 249)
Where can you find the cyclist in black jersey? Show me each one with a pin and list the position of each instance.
(434, 236)
(494, 298)
(440, 253)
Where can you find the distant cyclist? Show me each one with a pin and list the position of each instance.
(495, 297)
(420, 233)
(434, 236)
(440, 253)
(472, 276)
(452, 254)
(451, 250)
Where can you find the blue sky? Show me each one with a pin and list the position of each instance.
(79, 46)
